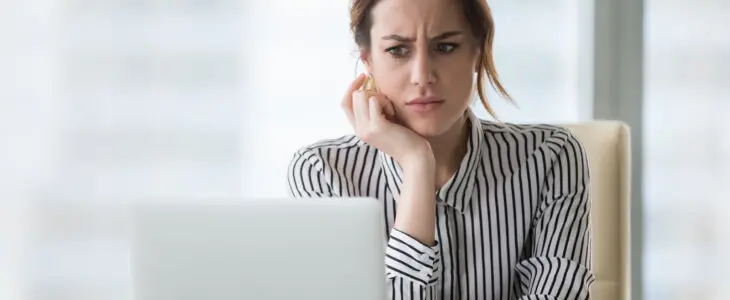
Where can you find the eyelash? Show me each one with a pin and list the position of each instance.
(392, 50)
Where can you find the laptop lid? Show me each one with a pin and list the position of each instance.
(259, 249)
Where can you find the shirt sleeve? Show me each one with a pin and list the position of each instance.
(411, 267)
(305, 177)
(559, 263)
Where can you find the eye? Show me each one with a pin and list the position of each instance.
(397, 51)
(446, 47)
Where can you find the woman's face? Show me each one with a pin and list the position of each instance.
(423, 58)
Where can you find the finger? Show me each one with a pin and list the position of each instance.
(347, 99)
(349, 113)
(382, 100)
(385, 103)
(387, 107)
(354, 86)
(360, 108)
(376, 110)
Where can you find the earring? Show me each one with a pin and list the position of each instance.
(370, 84)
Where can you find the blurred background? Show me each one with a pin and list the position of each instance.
(107, 101)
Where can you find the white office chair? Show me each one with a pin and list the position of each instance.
(608, 148)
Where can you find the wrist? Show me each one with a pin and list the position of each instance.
(419, 160)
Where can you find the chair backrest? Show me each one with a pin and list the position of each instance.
(608, 149)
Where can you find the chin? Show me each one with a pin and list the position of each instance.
(433, 126)
(429, 129)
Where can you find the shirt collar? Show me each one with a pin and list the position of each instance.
(458, 191)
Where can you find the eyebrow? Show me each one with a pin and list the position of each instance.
(403, 39)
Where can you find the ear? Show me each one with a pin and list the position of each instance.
(365, 59)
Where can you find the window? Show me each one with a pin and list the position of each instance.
(687, 158)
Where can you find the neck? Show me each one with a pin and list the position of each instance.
(449, 149)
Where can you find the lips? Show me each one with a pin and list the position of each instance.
(424, 104)
(424, 100)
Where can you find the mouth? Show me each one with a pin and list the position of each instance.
(424, 104)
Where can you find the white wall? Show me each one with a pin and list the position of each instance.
(107, 101)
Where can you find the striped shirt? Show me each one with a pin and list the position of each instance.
(511, 223)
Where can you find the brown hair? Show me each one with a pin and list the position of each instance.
(479, 17)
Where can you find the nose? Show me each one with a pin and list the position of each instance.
(422, 72)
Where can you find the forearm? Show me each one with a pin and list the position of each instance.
(413, 262)
(417, 204)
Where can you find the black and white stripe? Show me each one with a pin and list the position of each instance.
(512, 223)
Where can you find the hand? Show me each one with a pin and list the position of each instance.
(373, 117)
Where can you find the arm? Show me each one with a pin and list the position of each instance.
(412, 258)
(558, 266)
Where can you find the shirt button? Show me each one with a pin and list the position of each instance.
(425, 257)
(426, 274)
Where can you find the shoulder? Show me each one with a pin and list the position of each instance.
(310, 170)
(557, 140)
(333, 152)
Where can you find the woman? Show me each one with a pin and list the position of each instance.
(473, 209)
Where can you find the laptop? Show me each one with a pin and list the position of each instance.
(259, 249)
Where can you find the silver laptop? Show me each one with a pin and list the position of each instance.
(259, 249)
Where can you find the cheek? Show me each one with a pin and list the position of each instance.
(388, 81)
(390, 75)
(458, 77)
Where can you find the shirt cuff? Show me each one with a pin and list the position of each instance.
(553, 278)
(410, 259)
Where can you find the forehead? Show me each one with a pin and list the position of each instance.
(415, 17)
